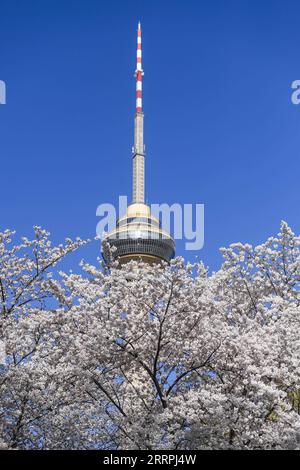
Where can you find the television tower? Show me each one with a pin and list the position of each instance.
(138, 235)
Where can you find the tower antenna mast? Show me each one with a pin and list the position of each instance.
(138, 195)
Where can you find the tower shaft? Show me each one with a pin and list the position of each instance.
(138, 195)
(138, 160)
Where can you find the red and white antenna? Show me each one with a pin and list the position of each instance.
(139, 148)
(139, 71)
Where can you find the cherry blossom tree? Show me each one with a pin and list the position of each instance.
(28, 327)
(151, 357)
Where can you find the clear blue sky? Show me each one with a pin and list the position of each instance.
(220, 128)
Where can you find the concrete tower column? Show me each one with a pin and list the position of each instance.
(138, 194)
